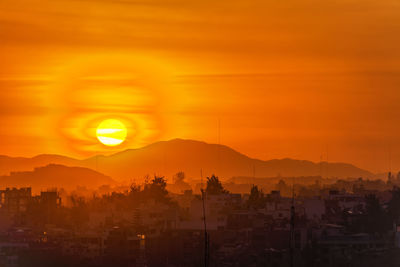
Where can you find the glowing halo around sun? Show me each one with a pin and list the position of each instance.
(134, 89)
(111, 132)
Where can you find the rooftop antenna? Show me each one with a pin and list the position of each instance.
(390, 163)
(254, 174)
(292, 240)
(327, 161)
(203, 197)
(219, 144)
(390, 158)
(201, 179)
(320, 166)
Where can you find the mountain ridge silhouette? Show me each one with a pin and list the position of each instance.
(56, 176)
(190, 156)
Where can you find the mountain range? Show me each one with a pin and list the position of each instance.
(192, 157)
(56, 176)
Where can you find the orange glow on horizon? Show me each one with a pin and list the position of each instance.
(307, 79)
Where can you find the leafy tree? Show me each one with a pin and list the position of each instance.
(179, 185)
(179, 178)
(135, 194)
(282, 187)
(79, 210)
(156, 189)
(376, 219)
(394, 205)
(256, 197)
(214, 186)
(134, 189)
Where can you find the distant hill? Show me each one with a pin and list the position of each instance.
(14, 164)
(56, 176)
(168, 157)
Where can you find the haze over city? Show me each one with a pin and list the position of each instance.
(185, 133)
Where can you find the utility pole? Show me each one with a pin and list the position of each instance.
(203, 194)
(203, 198)
(201, 180)
(292, 236)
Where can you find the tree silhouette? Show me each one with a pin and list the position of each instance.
(156, 189)
(79, 210)
(376, 220)
(256, 197)
(179, 178)
(394, 205)
(214, 186)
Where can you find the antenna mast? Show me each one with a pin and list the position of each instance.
(254, 174)
(201, 180)
(292, 239)
(203, 196)
(327, 161)
(219, 146)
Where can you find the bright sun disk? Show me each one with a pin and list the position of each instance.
(111, 132)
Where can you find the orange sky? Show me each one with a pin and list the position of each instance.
(300, 79)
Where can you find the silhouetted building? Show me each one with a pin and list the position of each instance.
(15, 200)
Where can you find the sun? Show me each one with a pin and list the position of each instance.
(111, 132)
